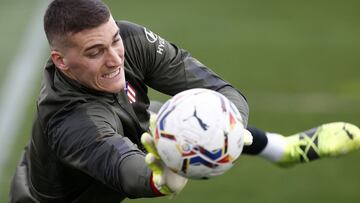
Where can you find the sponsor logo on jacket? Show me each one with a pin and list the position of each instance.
(152, 38)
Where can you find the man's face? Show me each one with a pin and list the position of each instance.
(96, 58)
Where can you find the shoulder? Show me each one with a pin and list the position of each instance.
(95, 115)
(131, 31)
(84, 124)
(95, 112)
(128, 28)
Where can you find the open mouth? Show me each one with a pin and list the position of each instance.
(112, 74)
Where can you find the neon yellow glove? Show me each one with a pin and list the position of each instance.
(248, 138)
(166, 181)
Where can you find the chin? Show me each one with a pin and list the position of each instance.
(116, 88)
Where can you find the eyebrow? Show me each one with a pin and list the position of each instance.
(100, 45)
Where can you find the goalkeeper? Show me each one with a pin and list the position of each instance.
(93, 108)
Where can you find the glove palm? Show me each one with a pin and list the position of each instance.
(165, 180)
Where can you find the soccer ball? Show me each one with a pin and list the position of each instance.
(199, 133)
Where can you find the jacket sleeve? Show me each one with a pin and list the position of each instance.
(88, 140)
(170, 69)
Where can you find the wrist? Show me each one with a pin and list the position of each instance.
(154, 187)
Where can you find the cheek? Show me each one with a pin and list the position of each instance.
(86, 69)
(120, 49)
(93, 66)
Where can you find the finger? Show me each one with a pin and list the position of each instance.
(148, 142)
(152, 123)
(154, 164)
(248, 138)
(157, 168)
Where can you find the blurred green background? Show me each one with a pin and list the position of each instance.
(296, 61)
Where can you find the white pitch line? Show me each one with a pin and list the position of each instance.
(18, 84)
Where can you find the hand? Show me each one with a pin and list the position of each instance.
(166, 181)
(241, 130)
(248, 138)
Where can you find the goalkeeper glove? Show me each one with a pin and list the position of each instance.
(165, 181)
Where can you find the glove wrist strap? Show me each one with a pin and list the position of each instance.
(154, 188)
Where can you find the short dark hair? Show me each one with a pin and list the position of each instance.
(64, 17)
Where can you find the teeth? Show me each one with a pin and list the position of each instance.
(111, 75)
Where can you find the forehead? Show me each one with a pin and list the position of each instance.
(100, 35)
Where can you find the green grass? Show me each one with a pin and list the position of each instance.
(14, 16)
(296, 61)
(22, 138)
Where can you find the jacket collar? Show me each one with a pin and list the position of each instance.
(72, 86)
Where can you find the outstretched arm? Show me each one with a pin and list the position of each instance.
(89, 140)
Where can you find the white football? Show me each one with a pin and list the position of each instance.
(199, 133)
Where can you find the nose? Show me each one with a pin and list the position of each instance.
(114, 58)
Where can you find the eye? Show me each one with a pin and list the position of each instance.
(116, 40)
(95, 53)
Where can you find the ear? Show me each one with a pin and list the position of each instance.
(58, 60)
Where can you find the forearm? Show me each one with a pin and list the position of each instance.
(135, 176)
(239, 101)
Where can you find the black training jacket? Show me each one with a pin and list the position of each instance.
(85, 145)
